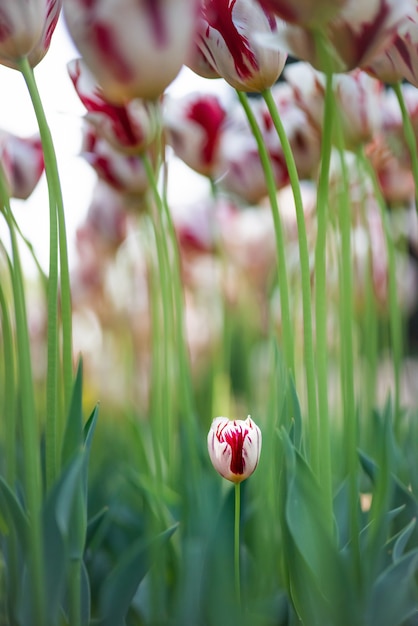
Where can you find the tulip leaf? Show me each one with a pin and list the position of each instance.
(402, 540)
(73, 436)
(120, 586)
(15, 516)
(394, 597)
(319, 582)
(58, 518)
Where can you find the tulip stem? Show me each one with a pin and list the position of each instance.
(29, 426)
(287, 331)
(409, 136)
(316, 450)
(58, 244)
(237, 543)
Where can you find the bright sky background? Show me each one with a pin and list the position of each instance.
(64, 112)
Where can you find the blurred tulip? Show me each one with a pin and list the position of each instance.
(359, 32)
(357, 98)
(234, 447)
(26, 28)
(134, 48)
(303, 12)
(125, 173)
(193, 126)
(228, 35)
(23, 163)
(129, 127)
(392, 124)
(400, 59)
(395, 179)
(107, 215)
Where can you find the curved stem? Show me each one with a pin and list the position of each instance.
(305, 280)
(29, 425)
(58, 242)
(409, 136)
(288, 340)
(395, 316)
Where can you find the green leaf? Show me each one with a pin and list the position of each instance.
(15, 515)
(58, 518)
(319, 583)
(394, 596)
(89, 428)
(95, 523)
(120, 586)
(402, 541)
(73, 436)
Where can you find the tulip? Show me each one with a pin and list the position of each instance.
(134, 48)
(193, 126)
(400, 60)
(23, 163)
(129, 127)
(234, 447)
(26, 28)
(228, 36)
(125, 173)
(357, 97)
(356, 35)
(303, 12)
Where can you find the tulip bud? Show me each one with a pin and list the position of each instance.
(234, 447)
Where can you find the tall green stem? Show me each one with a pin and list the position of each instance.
(395, 315)
(237, 543)
(29, 426)
(316, 449)
(58, 241)
(321, 289)
(288, 339)
(409, 136)
(347, 358)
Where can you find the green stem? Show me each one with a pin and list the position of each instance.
(29, 426)
(346, 312)
(409, 136)
(58, 242)
(177, 292)
(395, 316)
(237, 543)
(321, 292)
(288, 339)
(9, 404)
(316, 444)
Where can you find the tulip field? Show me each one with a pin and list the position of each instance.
(209, 417)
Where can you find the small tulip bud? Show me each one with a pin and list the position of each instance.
(234, 447)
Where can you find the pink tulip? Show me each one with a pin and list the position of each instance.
(26, 28)
(234, 447)
(228, 37)
(125, 173)
(193, 126)
(134, 48)
(392, 124)
(23, 163)
(129, 127)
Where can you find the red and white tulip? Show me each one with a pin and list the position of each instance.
(26, 28)
(134, 48)
(229, 36)
(234, 447)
